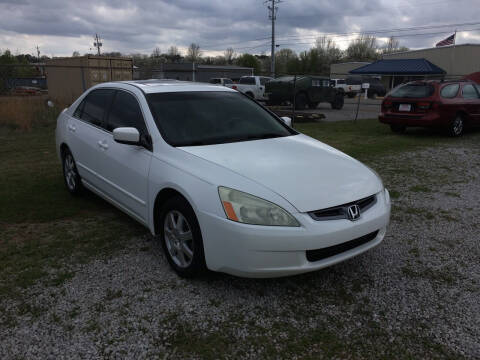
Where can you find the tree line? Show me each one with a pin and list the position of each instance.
(316, 60)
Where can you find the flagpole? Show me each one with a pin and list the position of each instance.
(453, 51)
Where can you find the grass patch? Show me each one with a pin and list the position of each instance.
(368, 138)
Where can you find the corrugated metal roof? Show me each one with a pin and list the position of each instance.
(400, 67)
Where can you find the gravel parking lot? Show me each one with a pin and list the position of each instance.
(415, 295)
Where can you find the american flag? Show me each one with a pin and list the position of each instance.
(448, 41)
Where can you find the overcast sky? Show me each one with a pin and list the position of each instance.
(60, 27)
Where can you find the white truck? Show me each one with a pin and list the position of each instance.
(253, 86)
(348, 89)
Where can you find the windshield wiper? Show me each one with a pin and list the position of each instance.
(264, 136)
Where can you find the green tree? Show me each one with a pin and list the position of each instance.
(363, 48)
(248, 60)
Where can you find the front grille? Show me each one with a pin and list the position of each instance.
(320, 254)
(340, 211)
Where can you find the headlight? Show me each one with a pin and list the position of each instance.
(249, 209)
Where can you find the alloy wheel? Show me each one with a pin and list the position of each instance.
(178, 238)
(457, 126)
(70, 172)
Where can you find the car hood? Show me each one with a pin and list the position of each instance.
(307, 173)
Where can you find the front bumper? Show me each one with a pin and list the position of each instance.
(265, 251)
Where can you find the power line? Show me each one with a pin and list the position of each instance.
(366, 32)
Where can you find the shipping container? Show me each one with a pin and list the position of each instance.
(68, 78)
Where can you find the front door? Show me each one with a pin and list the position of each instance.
(125, 167)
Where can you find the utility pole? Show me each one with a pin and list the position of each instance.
(272, 15)
(97, 44)
(38, 54)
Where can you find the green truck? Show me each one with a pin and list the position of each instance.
(307, 91)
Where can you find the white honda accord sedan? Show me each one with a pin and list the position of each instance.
(224, 183)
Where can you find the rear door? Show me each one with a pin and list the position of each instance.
(125, 167)
(85, 132)
(471, 100)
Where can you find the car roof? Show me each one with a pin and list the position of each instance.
(168, 85)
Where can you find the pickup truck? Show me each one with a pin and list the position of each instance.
(348, 88)
(253, 86)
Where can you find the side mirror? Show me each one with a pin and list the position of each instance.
(287, 120)
(126, 135)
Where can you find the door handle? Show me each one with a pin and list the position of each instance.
(72, 128)
(103, 144)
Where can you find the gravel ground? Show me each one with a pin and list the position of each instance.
(415, 295)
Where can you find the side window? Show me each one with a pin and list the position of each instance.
(449, 91)
(95, 105)
(469, 92)
(126, 112)
(79, 109)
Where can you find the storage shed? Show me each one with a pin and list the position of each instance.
(68, 78)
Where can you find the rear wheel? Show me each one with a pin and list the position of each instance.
(337, 103)
(372, 95)
(313, 105)
(249, 94)
(301, 101)
(457, 126)
(399, 129)
(70, 173)
(181, 237)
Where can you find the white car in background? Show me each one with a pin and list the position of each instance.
(223, 182)
(252, 86)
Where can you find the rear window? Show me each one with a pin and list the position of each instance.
(227, 81)
(450, 91)
(247, 80)
(340, 82)
(413, 91)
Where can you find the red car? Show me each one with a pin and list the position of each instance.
(451, 105)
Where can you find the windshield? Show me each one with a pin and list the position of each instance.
(420, 90)
(207, 118)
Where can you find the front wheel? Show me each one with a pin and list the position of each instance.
(337, 103)
(181, 238)
(301, 101)
(70, 173)
(456, 126)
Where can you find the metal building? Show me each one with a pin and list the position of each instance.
(194, 72)
(456, 60)
(342, 70)
(68, 78)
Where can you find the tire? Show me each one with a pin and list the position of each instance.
(70, 173)
(181, 238)
(250, 94)
(351, 95)
(337, 103)
(398, 129)
(301, 101)
(313, 105)
(456, 126)
(372, 95)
